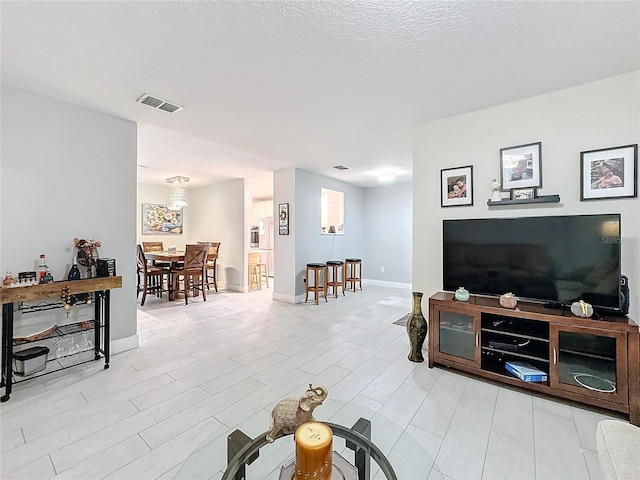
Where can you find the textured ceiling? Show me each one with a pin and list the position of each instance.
(265, 85)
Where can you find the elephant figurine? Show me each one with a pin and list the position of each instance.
(290, 413)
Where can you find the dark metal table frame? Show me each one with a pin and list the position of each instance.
(242, 451)
(101, 340)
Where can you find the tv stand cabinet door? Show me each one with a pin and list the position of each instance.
(454, 336)
(589, 362)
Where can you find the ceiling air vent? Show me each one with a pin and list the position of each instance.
(341, 167)
(159, 103)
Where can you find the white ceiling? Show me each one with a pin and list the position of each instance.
(266, 85)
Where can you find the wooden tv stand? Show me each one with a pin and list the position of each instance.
(592, 361)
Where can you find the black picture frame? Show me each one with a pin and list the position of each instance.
(609, 173)
(283, 219)
(456, 185)
(521, 166)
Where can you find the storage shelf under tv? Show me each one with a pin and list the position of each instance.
(569, 349)
(540, 199)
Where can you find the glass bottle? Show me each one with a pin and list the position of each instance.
(48, 278)
(8, 278)
(42, 268)
(74, 273)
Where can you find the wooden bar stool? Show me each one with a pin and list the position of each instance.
(353, 267)
(336, 280)
(258, 271)
(319, 273)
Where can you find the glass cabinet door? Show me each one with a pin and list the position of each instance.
(589, 362)
(457, 336)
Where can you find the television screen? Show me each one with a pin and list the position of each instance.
(553, 259)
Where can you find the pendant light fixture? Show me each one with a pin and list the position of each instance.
(179, 197)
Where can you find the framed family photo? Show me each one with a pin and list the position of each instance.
(456, 186)
(609, 173)
(521, 166)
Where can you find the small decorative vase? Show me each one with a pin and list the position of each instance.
(416, 329)
(462, 295)
(508, 300)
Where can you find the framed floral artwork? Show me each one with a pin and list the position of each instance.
(609, 173)
(456, 186)
(158, 219)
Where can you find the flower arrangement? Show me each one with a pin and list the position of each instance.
(86, 245)
(87, 253)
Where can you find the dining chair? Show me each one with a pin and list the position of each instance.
(211, 266)
(155, 247)
(257, 271)
(192, 272)
(151, 278)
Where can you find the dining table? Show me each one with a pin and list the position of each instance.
(173, 258)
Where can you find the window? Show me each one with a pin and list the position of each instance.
(331, 212)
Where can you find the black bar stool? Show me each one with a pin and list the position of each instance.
(334, 281)
(319, 273)
(353, 268)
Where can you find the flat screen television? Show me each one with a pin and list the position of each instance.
(555, 259)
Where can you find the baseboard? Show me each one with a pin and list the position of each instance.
(124, 344)
(233, 288)
(382, 283)
(281, 297)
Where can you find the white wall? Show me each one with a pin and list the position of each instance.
(388, 214)
(284, 282)
(68, 171)
(597, 115)
(219, 214)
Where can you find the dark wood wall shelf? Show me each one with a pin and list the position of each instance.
(541, 199)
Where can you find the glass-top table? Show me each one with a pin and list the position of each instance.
(376, 444)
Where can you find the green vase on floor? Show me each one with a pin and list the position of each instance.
(416, 329)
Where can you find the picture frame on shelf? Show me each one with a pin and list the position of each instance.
(609, 173)
(456, 186)
(528, 193)
(283, 219)
(521, 166)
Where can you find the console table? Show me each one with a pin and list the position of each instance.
(587, 360)
(51, 292)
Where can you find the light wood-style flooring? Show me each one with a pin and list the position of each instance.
(164, 410)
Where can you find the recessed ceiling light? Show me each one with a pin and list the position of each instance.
(386, 176)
